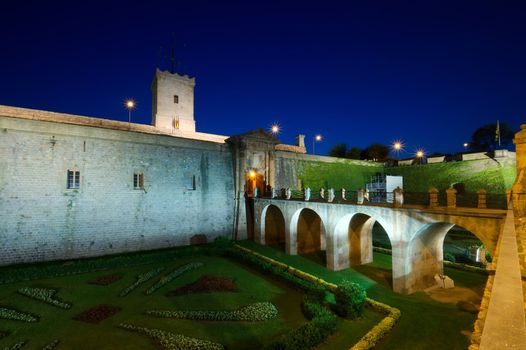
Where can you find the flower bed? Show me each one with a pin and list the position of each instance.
(206, 284)
(251, 313)
(140, 280)
(172, 341)
(10, 314)
(97, 313)
(173, 275)
(4, 334)
(45, 295)
(106, 280)
(16, 346)
(368, 340)
(51, 345)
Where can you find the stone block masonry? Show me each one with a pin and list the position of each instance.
(188, 190)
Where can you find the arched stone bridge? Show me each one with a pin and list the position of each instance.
(345, 232)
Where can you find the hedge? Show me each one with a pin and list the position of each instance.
(369, 340)
(172, 341)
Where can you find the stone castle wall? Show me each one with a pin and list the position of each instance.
(43, 220)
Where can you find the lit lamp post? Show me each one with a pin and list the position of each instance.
(397, 147)
(315, 139)
(420, 155)
(130, 104)
(274, 129)
(466, 145)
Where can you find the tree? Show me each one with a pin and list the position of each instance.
(353, 153)
(339, 150)
(376, 151)
(484, 139)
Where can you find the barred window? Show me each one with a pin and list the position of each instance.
(176, 99)
(190, 184)
(138, 181)
(73, 179)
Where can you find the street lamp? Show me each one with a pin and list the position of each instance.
(466, 145)
(130, 104)
(397, 146)
(274, 129)
(316, 138)
(420, 154)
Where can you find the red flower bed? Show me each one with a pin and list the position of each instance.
(97, 313)
(4, 334)
(106, 280)
(206, 284)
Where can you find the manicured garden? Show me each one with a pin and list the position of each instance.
(185, 298)
(425, 322)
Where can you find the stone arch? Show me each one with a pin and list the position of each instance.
(273, 225)
(425, 254)
(308, 231)
(351, 242)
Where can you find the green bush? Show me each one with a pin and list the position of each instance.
(350, 299)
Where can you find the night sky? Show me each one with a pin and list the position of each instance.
(426, 72)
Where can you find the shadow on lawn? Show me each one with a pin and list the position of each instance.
(318, 257)
(382, 276)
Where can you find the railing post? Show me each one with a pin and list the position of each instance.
(481, 199)
(359, 196)
(307, 194)
(343, 194)
(288, 193)
(508, 199)
(451, 195)
(274, 193)
(330, 195)
(433, 197)
(322, 193)
(398, 197)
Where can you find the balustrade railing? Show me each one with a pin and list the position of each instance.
(430, 199)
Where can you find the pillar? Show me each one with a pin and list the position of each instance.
(398, 200)
(519, 187)
(451, 195)
(433, 197)
(481, 199)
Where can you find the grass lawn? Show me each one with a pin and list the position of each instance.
(425, 323)
(56, 323)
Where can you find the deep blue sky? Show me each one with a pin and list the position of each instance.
(426, 72)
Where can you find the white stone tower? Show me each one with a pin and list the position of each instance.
(173, 102)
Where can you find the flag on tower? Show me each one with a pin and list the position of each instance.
(497, 133)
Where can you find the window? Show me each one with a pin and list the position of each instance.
(138, 181)
(190, 185)
(176, 99)
(73, 179)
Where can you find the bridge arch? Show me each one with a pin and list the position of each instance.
(273, 225)
(307, 230)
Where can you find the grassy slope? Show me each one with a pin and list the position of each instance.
(347, 174)
(488, 174)
(475, 174)
(425, 323)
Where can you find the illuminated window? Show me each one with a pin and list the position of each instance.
(176, 99)
(138, 181)
(73, 179)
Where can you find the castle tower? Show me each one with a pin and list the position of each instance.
(173, 102)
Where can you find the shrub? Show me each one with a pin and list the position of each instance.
(141, 279)
(173, 275)
(253, 312)
(51, 345)
(350, 299)
(16, 346)
(172, 341)
(449, 257)
(10, 314)
(45, 295)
